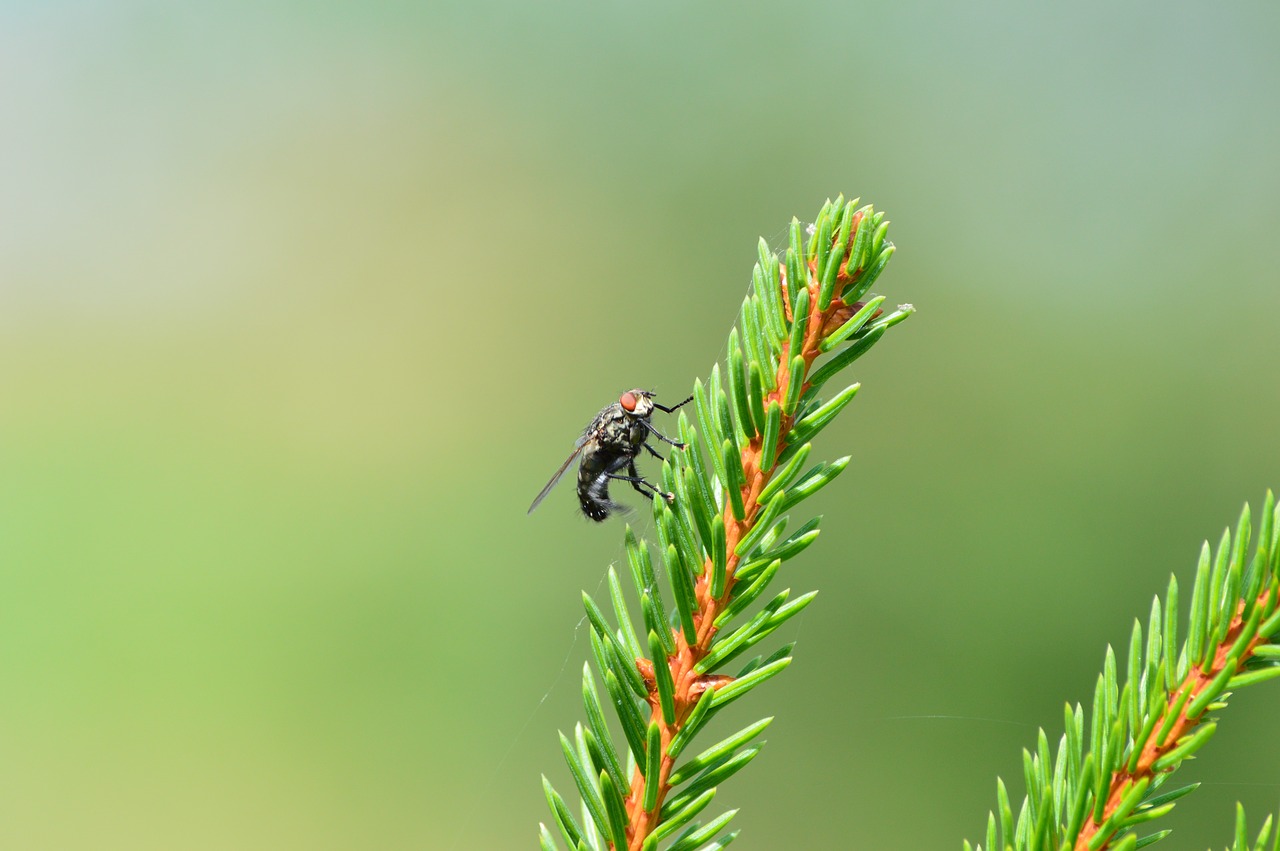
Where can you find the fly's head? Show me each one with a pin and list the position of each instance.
(637, 404)
(637, 408)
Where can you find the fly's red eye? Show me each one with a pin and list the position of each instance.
(628, 401)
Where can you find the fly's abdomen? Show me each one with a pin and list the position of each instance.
(593, 496)
(593, 483)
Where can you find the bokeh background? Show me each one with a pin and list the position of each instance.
(300, 304)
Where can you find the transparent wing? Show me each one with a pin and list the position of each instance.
(559, 473)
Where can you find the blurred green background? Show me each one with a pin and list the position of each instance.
(300, 305)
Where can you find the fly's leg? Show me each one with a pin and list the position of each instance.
(639, 483)
(653, 431)
(653, 452)
(667, 495)
(672, 408)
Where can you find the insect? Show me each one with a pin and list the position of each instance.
(612, 442)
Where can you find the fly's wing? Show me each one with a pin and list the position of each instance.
(567, 462)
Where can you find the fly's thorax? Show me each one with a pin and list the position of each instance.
(637, 434)
(619, 431)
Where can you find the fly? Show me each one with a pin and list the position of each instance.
(611, 443)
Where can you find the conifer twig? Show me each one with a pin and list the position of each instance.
(1098, 792)
(721, 543)
(1171, 738)
(684, 661)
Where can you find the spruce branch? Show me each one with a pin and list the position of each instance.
(721, 542)
(1098, 791)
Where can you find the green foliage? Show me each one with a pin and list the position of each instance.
(744, 464)
(721, 545)
(1242, 843)
(1098, 791)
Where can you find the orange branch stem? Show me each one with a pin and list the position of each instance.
(641, 823)
(1155, 747)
